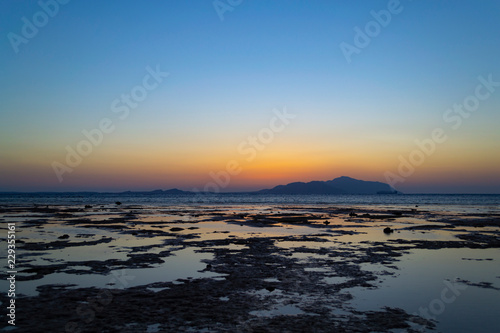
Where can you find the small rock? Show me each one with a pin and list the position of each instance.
(388, 230)
(65, 236)
(118, 203)
(176, 229)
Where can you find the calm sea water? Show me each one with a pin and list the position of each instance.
(490, 202)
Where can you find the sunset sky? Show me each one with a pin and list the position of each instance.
(175, 90)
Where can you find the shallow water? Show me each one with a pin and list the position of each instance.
(443, 202)
(185, 264)
(413, 281)
(423, 281)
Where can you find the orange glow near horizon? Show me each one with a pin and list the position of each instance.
(154, 166)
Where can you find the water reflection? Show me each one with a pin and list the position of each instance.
(420, 281)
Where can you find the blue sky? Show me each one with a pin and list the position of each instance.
(227, 76)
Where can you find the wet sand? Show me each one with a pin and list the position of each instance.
(298, 268)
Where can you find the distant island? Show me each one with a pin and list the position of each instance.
(340, 185)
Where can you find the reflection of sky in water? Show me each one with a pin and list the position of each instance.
(102, 251)
(335, 279)
(207, 230)
(420, 280)
(166, 218)
(289, 310)
(184, 264)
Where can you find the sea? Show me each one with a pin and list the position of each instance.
(488, 203)
(418, 280)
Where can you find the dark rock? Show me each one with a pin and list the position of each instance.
(388, 230)
(65, 236)
(176, 229)
(118, 203)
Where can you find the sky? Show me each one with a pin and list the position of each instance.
(238, 95)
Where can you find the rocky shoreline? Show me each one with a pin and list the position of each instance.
(271, 269)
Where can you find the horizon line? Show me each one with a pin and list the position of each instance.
(231, 192)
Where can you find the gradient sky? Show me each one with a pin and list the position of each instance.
(226, 80)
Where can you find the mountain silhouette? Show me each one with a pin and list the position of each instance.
(340, 185)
